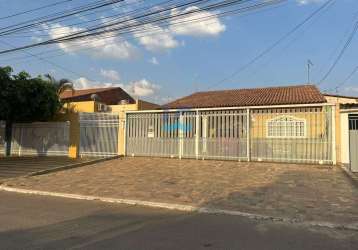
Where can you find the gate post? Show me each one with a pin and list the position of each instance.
(180, 133)
(248, 148)
(334, 152)
(197, 131)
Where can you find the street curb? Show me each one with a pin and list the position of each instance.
(352, 177)
(184, 208)
(70, 166)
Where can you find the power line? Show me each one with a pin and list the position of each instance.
(341, 53)
(274, 45)
(56, 16)
(145, 30)
(47, 61)
(351, 74)
(35, 9)
(157, 13)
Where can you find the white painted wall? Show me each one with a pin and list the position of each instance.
(344, 115)
(344, 138)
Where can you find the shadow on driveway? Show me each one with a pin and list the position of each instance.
(18, 166)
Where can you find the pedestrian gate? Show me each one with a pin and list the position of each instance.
(98, 134)
(353, 142)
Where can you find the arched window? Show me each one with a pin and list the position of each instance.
(286, 127)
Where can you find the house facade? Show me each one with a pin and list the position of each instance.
(347, 112)
(283, 124)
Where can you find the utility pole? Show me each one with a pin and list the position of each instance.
(309, 65)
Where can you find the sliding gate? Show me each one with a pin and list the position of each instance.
(98, 134)
(40, 139)
(219, 135)
(302, 135)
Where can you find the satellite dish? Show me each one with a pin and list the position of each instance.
(95, 97)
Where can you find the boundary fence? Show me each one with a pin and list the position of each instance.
(284, 134)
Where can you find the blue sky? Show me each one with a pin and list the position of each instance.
(197, 57)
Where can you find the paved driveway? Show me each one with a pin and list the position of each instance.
(302, 192)
(18, 166)
(38, 222)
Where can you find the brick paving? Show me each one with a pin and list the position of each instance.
(304, 192)
(18, 166)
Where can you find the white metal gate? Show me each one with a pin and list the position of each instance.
(98, 134)
(301, 135)
(40, 138)
(2, 139)
(208, 135)
(353, 142)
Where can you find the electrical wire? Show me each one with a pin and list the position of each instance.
(274, 45)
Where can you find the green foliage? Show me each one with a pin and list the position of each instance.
(26, 99)
(61, 85)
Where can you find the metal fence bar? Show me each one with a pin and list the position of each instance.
(42, 139)
(297, 134)
(99, 134)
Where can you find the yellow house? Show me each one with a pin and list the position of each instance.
(287, 124)
(113, 102)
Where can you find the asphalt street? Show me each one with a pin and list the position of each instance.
(38, 222)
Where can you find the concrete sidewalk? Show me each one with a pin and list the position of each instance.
(298, 192)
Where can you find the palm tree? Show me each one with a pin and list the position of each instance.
(61, 85)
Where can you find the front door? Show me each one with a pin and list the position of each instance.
(353, 142)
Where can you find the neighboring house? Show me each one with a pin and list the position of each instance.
(97, 119)
(95, 99)
(287, 124)
(340, 99)
(347, 127)
(108, 96)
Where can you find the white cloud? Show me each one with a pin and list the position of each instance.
(82, 83)
(154, 61)
(351, 89)
(201, 23)
(140, 88)
(36, 39)
(110, 74)
(156, 39)
(102, 48)
(305, 2)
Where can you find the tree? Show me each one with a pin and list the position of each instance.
(61, 85)
(26, 99)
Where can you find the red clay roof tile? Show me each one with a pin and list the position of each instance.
(301, 94)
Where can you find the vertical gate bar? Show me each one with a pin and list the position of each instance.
(197, 135)
(126, 130)
(334, 154)
(180, 133)
(248, 131)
